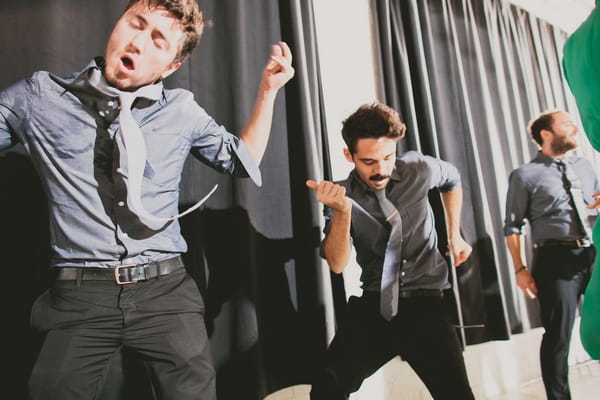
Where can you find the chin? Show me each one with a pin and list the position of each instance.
(380, 186)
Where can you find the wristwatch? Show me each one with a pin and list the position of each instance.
(523, 268)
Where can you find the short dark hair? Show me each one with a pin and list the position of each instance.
(189, 16)
(372, 121)
(543, 121)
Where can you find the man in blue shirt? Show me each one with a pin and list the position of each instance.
(418, 330)
(119, 279)
(546, 192)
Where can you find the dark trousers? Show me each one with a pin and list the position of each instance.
(561, 275)
(161, 320)
(420, 334)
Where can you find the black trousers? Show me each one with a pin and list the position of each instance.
(420, 334)
(561, 275)
(160, 319)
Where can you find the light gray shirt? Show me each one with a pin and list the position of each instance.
(68, 129)
(536, 193)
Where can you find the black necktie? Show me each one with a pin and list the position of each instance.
(132, 144)
(390, 276)
(574, 189)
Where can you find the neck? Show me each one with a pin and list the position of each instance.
(547, 151)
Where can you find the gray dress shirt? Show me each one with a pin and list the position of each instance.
(68, 129)
(415, 174)
(536, 193)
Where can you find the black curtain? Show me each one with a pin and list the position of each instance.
(253, 251)
(466, 76)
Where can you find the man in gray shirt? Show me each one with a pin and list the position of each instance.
(549, 192)
(110, 143)
(417, 329)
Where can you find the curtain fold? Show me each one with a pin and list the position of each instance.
(253, 251)
(466, 76)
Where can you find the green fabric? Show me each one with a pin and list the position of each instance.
(581, 65)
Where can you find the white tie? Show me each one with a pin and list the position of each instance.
(132, 140)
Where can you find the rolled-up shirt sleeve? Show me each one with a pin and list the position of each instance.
(445, 176)
(517, 200)
(227, 153)
(6, 139)
(13, 106)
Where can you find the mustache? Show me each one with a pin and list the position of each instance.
(378, 177)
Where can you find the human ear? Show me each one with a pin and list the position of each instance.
(172, 68)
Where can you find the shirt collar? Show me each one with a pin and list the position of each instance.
(92, 74)
(544, 159)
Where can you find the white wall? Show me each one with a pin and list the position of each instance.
(344, 37)
(566, 14)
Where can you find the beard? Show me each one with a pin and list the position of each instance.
(562, 145)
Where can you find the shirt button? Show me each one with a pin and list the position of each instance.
(112, 103)
(119, 170)
(403, 273)
(121, 203)
(404, 261)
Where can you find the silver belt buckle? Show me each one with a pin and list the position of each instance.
(583, 242)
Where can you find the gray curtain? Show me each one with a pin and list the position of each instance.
(467, 75)
(252, 251)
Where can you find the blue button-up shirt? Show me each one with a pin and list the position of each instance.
(415, 174)
(68, 129)
(536, 193)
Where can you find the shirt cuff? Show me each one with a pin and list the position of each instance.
(243, 155)
(511, 230)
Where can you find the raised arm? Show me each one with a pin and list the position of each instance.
(336, 246)
(277, 72)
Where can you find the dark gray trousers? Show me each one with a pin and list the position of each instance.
(561, 275)
(161, 320)
(420, 334)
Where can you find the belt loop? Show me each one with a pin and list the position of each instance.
(78, 277)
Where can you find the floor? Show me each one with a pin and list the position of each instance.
(584, 380)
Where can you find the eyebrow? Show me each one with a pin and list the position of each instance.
(141, 18)
(365, 159)
(155, 31)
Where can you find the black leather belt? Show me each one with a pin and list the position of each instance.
(121, 274)
(564, 243)
(420, 292)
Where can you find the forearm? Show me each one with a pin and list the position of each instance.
(513, 242)
(257, 131)
(452, 201)
(336, 247)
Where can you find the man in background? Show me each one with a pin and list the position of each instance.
(551, 193)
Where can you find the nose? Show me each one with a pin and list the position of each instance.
(136, 44)
(378, 167)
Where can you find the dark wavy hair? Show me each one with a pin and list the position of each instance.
(543, 121)
(372, 121)
(189, 16)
